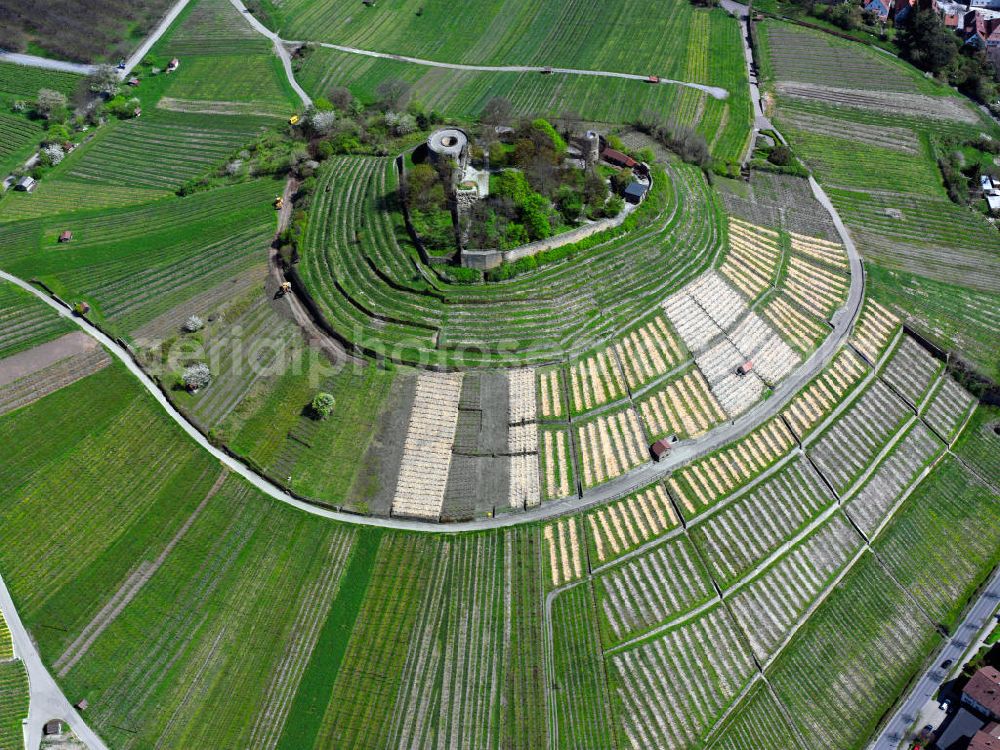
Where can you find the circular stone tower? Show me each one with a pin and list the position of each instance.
(449, 143)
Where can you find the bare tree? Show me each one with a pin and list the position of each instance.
(341, 98)
(498, 111)
(393, 94)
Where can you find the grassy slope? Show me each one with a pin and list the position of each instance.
(26, 321)
(462, 94)
(178, 246)
(19, 133)
(927, 257)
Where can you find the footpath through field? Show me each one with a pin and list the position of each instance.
(34, 61)
(713, 91)
(279, 48)
(46, 701)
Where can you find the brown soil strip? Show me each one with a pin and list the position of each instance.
(37, 358)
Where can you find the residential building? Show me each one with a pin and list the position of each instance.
(982, 693)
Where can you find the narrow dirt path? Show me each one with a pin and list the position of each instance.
(713, 91)
(289, 306)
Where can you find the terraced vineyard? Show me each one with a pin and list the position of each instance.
(429, 321)
(774, 590)
(462, 94)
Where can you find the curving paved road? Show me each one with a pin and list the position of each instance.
(47, 701)
(34, 61)
(136, 57)
(279, 49)
(714, 91)
(684, 452)
(897, 730)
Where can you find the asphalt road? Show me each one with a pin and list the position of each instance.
(136, 57)
(47, 701)
(33, 61)
(896, 731)
(279, 48)
(682, 453)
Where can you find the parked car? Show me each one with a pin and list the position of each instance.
(946, 663)
(945, 705)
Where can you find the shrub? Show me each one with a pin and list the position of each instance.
(196, 377)
(54, 153)
(322, 405)
(780, 155)
(104, 80)
(192, 324)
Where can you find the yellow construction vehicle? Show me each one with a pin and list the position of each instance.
(293, 120)
(285, 288)
(279, 202)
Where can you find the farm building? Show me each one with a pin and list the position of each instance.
(635, 192)
(26, 184)
(659, 449)
(133, 81)
(617, 158)
(66, 236)
(982, 693)
(52, 728)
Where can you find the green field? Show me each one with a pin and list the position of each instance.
(322, 459)
(26, 322)
(953, 507)
(178, 247)
(13, 702)
(462, 94)
(852, 658)
(626, 37)
(225, 65)
(19, 134)
(21, 82)
(930, 259)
